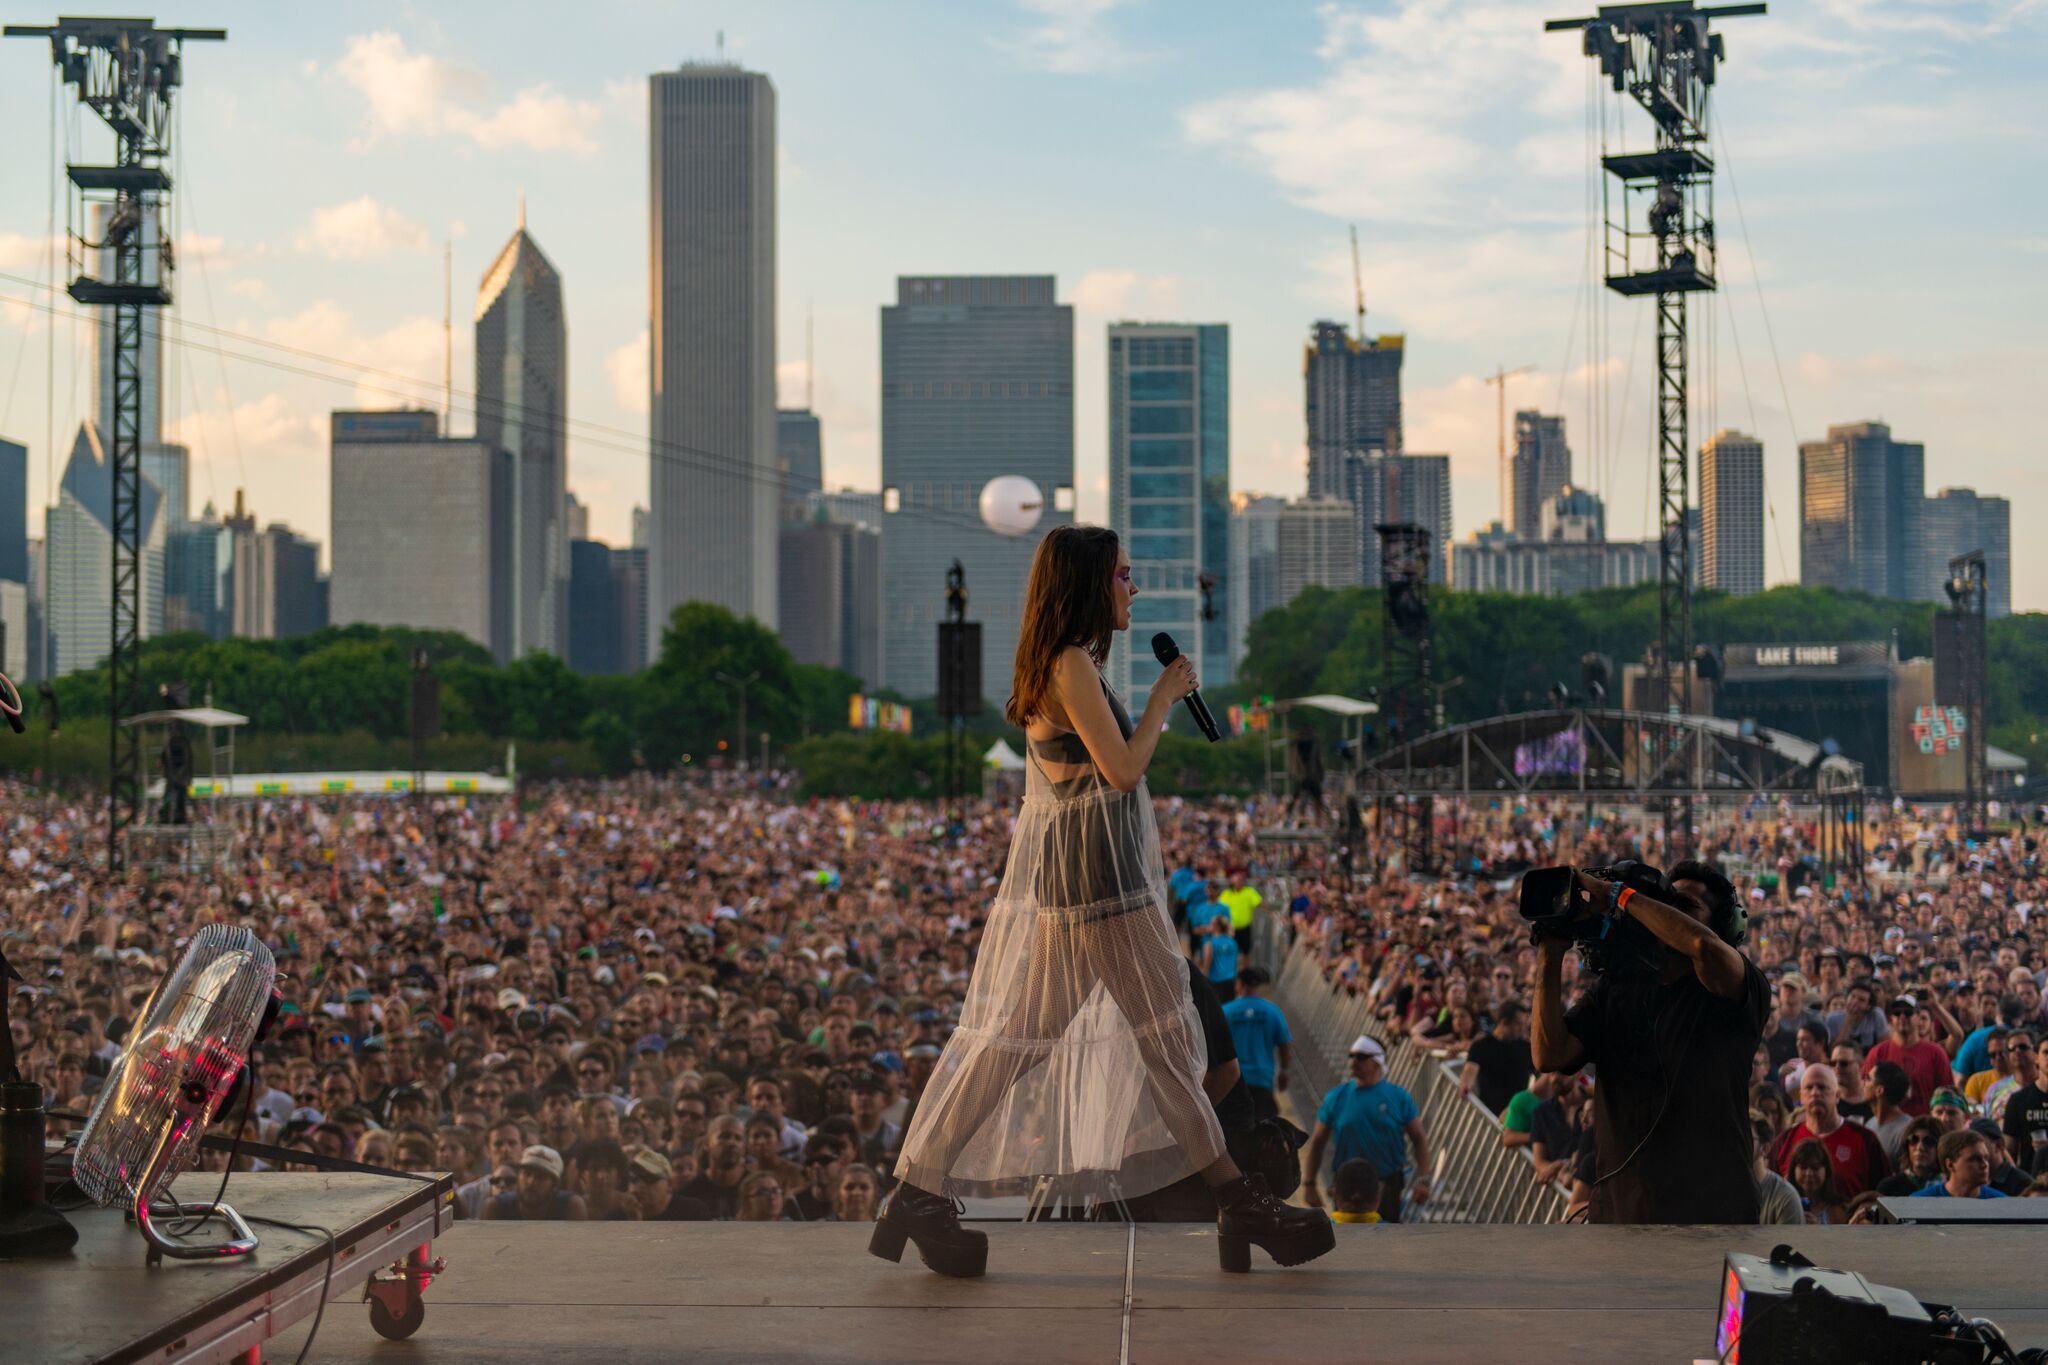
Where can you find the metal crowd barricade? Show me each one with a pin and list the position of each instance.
(1474, 1178)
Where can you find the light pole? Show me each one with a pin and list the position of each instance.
(740, 681)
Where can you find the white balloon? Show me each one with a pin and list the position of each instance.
(1011, 505)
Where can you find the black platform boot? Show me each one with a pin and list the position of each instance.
(1247, 1214)
(933, 1222)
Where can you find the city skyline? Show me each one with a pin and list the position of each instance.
(395, 134)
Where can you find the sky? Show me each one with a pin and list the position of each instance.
(1882, 204)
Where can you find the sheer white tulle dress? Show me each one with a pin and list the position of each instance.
(1076, 1072)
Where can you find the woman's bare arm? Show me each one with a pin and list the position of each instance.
(1123, 761)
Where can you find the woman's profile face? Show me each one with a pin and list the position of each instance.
(1124, 590)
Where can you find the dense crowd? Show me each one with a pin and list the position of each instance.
(713, 1000)
(1906, 1047)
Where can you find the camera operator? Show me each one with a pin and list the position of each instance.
(1673, 1049)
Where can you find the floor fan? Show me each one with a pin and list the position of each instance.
(178, 1070)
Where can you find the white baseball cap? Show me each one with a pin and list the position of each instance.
(1367, 1046)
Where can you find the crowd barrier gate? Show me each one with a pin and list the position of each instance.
(1473, 1178)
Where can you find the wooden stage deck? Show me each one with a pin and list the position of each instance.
(555, 1293)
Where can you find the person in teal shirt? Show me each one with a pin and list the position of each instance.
(1369, 1118)
(1219, 958)
(1258, 1029)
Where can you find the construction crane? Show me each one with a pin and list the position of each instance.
(1499, 379)
(1358, 284)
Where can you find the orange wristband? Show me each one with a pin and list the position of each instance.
(1627, 894)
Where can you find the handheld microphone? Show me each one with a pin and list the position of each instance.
(1166, 651)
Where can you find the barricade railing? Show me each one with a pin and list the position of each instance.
(1474, 1179)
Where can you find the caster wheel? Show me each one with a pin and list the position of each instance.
(395, 1327)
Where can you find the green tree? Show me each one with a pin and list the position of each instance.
(687, 707)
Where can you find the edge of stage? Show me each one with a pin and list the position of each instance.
(545, 1292)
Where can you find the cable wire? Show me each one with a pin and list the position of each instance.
(591, 433)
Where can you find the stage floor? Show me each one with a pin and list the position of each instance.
(534, 1292)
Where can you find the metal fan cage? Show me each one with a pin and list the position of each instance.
(193, 1037)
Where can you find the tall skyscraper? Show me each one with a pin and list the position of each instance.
(1253, 583)
(594, 625)
(977, 383)
(1956, 521)
(422, 528)
(199, 577)
(1539, 470)
(295, 597)
(1318, 545)
(1353, 401)
(832, 595)
(1393, 488)
(1169, 492)
(1732, 513)
(13, 512)
(578, 522)
(1861, 495)
(799, 454)
(79, 587)
(713, 484)
(522, 408)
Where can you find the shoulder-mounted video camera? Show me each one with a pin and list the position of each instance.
(1557, 906)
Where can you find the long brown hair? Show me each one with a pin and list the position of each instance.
(1071, 600)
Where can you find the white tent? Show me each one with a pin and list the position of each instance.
(1003, 758)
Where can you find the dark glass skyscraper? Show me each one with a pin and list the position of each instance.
(800, 451)
(1353, 401)
(1860, 505)
(1169, 491)
(522, 405)
(977, 383)
(1541, 467)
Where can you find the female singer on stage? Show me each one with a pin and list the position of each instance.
(1076, 1071)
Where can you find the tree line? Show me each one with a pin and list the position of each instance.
(340, 698)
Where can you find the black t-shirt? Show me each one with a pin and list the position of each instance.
(1234, 1112)
(1859, 1110)
(1553, 1127)
(2026, 1123)
(809, 1208)
(1504, 1069)
(683, 1209)
(1674, 1064)
(719, 1201)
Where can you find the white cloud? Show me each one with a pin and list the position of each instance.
(22, 252)
(626, 368)
(273, 427)
(1403, 124)
(540, 119)
(1069, 38)
(407, 354)
(416, 94)
(361, 229)
(1122, 294)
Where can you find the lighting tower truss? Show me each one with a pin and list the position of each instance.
(123, 70)
(1658, 209)
(1406, 647)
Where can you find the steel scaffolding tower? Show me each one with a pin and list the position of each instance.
(125, 71)
(1658, 210)
(1959, 673)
